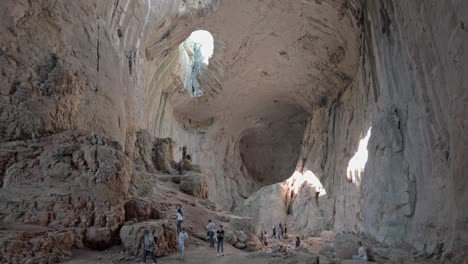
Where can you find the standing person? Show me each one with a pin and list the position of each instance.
(150, 246)
(280, 230)
(298, 242)
(220, 237)
(362, 255)
(180, 219)
(211, 231)
(274, 232)
(183, 238)
(285, 229)
(265, 239)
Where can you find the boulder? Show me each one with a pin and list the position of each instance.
(200, 235)
(98, 238)
(142, 155)
(266, 207)
(222, 217)
(230, 237)
(35, 246)
(346, 246)
(244, 232)
(241, 236)
(69, 181)
(139, 210)
(240, 245)
(194, 184)
(163, 154)
(132, 237)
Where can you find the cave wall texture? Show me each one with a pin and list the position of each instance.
(291, 84)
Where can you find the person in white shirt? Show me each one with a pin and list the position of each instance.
(211, 231)
(180, 219)
(183, 238)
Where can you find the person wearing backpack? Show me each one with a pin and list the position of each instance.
(149, 246)
(211, 231)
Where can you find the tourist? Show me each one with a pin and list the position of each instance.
(285, 229)
(265, 239)
(280, 230)
(220, 237)
(362, 255)
(184, 152)
(150, 246)
(298, 242)
(274, 232)
(180, 219)
(183, 237)
(211, 230)
(179, 166)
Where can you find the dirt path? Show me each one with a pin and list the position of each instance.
(194, 254)
(196, 215)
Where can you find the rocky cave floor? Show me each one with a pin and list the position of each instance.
(328, 247)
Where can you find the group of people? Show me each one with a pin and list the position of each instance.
(150, 241)
(211, 227)
(183, 236)
(282, 230)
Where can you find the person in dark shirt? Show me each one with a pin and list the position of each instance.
(298, 242)
(220, 237)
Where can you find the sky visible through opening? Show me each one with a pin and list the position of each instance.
(357, 163)
(205, 40)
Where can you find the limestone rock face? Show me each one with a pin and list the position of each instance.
(409, 186)
(195, 184)
(266, 207)
(138, 210)
(67, 181)
(292, 86)
(244, 233)
(35, 247)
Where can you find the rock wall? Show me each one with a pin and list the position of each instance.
(324, 71)
(418, 147)
(68, 181)
(412, 94)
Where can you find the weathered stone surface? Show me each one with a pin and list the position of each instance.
(35, 246)
(223, 218)
(132, 237)
(163, 153)
(139, 210)
(302, 85)
(66, 181)
(244, 232)
(266, 207)
(195, 184)
(240, 245)
(241, 236)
